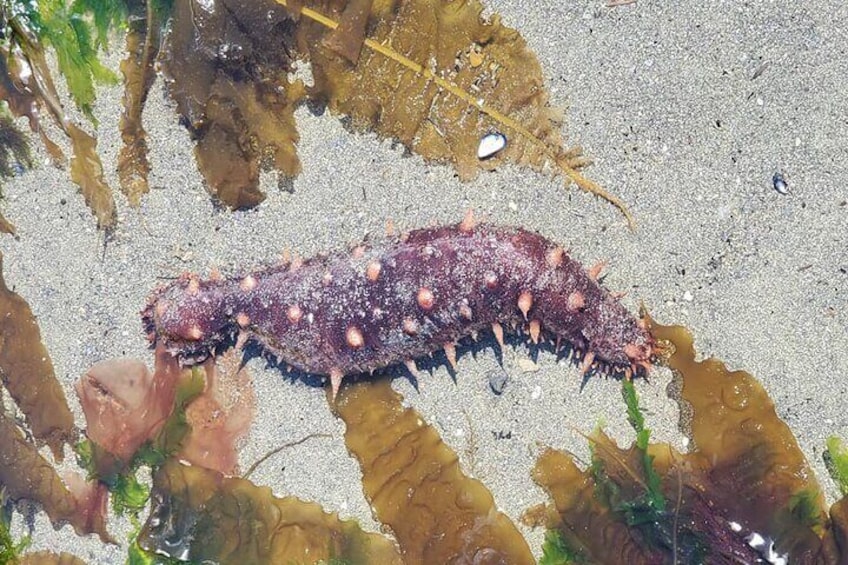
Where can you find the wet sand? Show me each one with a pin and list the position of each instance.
(688, 113)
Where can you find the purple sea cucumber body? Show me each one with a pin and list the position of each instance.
(381, 304)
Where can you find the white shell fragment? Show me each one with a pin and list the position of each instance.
(490, 145)
(779, 183)
(767, 549)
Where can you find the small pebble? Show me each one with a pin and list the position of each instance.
(527, 365)
(537, 393)
(779, 182)
(490, 145)
(497, 381)
(687, 296)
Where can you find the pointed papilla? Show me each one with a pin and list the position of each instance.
(411, 367)
(336, 377)
(193, 286)
(586, 364)
(525, 302)
(497, 329)
(535, 330)
(450, 353)
(576, 301)
(468, 223)
(555, 257)
(241, 340)
(595, 270)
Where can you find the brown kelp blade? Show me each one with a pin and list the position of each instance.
(744, 476)
(24, 101)
(434, 75)
(606, 513)
(348, 38)
(835, 541)
(438, 77)
(226, 66)
(27, 373)
(50, 558)
(198, 515)
(87, 173)
(416, 487)
(25, 474)
(142, 47)
(6, 226)
(759, 473)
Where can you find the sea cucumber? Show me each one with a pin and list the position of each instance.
(382, 303)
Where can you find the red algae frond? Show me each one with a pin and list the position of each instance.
(124, 404)
(220, 416)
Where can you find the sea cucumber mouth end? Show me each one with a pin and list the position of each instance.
(641, 357)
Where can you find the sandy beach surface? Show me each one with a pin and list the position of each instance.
(688, 109)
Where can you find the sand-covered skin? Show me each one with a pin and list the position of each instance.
(664, 97)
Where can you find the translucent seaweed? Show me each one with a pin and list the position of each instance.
(50, 558)
(220, 416)
(745, 475)
(144, 29)
(759, 473)
(25, 474)
(200, 515)
(27, 373)
(416, 487)
(172, 411)
(438, 77)
(125, 405)
(226, 63)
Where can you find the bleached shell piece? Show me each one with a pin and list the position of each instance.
(490, 145)
(780, 184)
